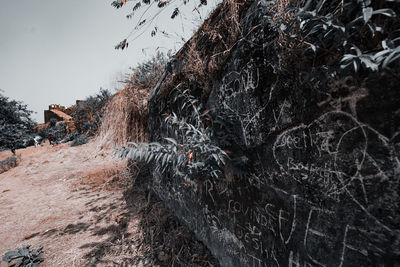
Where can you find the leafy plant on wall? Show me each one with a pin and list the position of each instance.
(344, 36)
(190, 151)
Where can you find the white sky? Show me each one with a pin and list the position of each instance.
(57, 51)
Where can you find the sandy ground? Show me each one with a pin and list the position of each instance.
(45, 202)
(70, 201)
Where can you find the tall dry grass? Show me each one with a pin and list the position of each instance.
(125, 117)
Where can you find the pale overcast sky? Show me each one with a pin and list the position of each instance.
(57, 51)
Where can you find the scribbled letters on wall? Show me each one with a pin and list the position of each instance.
(323, 187)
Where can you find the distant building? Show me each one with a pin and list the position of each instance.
(58, 112)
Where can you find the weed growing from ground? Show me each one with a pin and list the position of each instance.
(24, 257)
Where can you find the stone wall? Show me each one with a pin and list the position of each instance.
(323, 183)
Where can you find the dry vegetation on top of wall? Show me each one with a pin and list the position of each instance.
(319, 39)
(199, 60)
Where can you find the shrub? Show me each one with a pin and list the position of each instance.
(57, 132)
(24, 257)
(70, 137)
(52, 122)
(80, 140)
(9, 163)
(89, 113)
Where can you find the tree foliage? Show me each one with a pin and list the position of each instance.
(15, 123)
(147, 11)
(89, 113)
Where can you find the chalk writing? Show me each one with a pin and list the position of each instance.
(330, 165)
(234, 86)
(322, 187)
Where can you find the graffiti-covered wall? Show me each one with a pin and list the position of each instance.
(323, 183)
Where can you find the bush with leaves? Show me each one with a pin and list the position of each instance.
(52, 122)
(80, 140)
(43, 132)
(24, 257)
(343, 36)
(190, 151)
(146, 74)
(56, 131)
(89, 113)
(15, 124)
(9, 163)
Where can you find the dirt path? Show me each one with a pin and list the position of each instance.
(77, 203)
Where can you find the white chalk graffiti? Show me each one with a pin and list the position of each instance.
(235, 86)
(283, 218)
(331, 153)
(326, 140)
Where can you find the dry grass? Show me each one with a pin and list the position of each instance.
(110, 177)
(125, 117)
(280, 10)
(125, 108)
(205, 53)
(281, 15)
